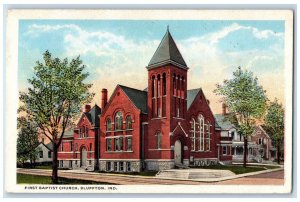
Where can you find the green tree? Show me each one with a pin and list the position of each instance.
(27, 141)
(246, 99)
(54, 98)
(274, 121)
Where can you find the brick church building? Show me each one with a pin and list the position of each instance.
(161, 127)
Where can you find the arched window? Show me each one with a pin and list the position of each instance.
(182, 87)
(158, 140)
(118, 121)
(178, 85)
(153, 86)
(193, 135)
(158, 86)
(201, 133)
(128, 122)
(207, 136)
(86, 131)
(108, 125)
(174, 84)
(79, 132)
(83, 132)
(164, 85)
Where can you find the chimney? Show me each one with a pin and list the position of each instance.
(224, 108)
(104, 98)
(87, 108)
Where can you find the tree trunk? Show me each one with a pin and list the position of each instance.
(278, 154)
(245, 151)
(54, 165)
(96, 166)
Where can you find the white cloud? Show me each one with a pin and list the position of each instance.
(35, 30)
(257, 58)
(215, 37)
(119, 60)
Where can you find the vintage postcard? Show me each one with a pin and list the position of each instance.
(149, 101)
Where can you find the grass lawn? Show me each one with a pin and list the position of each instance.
(47, 167)
(238, 169)
(35, 179)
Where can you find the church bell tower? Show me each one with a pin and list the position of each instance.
(167, 95)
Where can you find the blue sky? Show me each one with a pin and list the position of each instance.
(117, 51)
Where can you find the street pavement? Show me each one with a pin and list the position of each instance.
(271, 178)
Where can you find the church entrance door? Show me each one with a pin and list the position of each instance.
(178, 152)
(83, 156)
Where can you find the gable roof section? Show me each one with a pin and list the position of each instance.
(167, 52)
(93, 115)
(191, 95)
(263, 129)
(137, 97)
(179, 127)
(69, 133)
(222, 122)
(49, 146)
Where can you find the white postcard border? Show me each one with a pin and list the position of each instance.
(12, 90)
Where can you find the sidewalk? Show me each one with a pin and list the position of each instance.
(135, 179)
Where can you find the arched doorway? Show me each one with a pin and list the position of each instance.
(178, 152)
(83, 157)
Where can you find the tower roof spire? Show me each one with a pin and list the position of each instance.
(166, 53)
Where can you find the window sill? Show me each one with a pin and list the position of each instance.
(82, 138)
(121, 130)
(201, 151)
(158, 118)
(159, 149)
(178, 118)
(111, 137)
(119, 152)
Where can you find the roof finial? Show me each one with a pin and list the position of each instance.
(168, 28)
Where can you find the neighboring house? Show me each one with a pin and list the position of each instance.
(232, 143)
(227, 132)
(264, 148)
(80, 145)
(161, 127)
(44, 153)
(259, 147)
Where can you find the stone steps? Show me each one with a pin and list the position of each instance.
(193, 174)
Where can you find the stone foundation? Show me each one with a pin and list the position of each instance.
(120, 166)
(159, 165)
(75, 164)
(204, 162)
(186, 162)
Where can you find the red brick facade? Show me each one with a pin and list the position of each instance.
(158, 128)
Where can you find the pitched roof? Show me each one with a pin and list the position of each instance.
(138, 97)
(69, 133)
(49, 146)
(191, 95)
(263, 128)
(222, 122)
(93, 115)
(167, 52)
